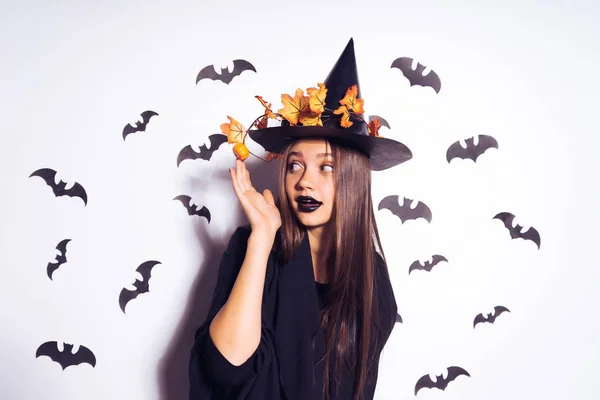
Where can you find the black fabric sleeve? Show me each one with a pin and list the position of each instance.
(207, 365)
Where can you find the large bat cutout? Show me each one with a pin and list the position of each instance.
(415, 76)
(140, 126)
(382, 121)
(427, 266)
(60, 259)
(491, 317)
(471, 151)
(404, 212)
(210, 72)
(440, 383)
(205, 153)
(145, 269)
(49, 175)
(192, 209)
(66, 358)
(515, 233)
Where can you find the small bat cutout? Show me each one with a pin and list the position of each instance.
(427, 266)
(415, 76)
(440, 383)
(404, 212)
(398, 318)
(210, 72)
(205, 153)
(66, 358)
(491, 317)
(515, 233)
(140, 126)
(471, 151)
(192, 209)
(60, 259)
(49, 176)
(143, 286)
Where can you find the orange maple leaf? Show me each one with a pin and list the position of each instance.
(263, 122)
(272, 156)
(351, 102)
(293, 106)
(267, 107)
(310, 119)
(317, 97)
(346, 123)
(374, 127)
(234, 131)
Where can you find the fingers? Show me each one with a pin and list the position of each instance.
(269, 197)
(239, 174)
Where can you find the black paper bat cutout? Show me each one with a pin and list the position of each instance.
(427, 266)
(382, 121)
(66, 358)
(404, 212)
(471, 151)
(49, 175)
(60, 259)
(140, 126)
(515, 233)
(415, 76)
(210, 72)
(192, 209)
(187, 153)
(491, 317)
(398, 318)
(440, 383)
(143, 286)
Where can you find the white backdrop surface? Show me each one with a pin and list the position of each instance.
(73, 74)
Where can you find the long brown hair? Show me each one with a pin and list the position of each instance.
(350, 311)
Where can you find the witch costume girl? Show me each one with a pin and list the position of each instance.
(286, 363)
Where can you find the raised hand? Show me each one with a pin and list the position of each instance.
(260, 209)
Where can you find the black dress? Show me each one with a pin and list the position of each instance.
(286, 363)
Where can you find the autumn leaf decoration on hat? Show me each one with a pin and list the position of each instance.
(303, 110)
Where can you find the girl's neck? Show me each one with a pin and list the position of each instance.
(321, 241)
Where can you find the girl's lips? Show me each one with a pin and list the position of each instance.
(308, 207)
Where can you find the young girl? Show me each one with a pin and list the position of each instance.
(303, 304)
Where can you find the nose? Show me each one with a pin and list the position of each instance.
(306, 181)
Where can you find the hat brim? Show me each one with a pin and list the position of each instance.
(383, 152)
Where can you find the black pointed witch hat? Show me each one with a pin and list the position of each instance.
(383, 152)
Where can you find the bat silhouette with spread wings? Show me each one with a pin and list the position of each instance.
(66, 358)
(205, 153)
(210, 72)
(491, 317)
(192, 209)
(515, 233)
(60, 259)
(427, 266)
(140, 126)
(49, 176)
(404, 212)
(415, 76)
(471, 150)
(440, 383)
(143, 286)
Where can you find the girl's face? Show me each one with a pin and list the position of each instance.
(309, 181)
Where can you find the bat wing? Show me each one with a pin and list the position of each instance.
(499, 310)
(454, 372)
(533, 235)
(484, 142)
(143, 286)
(455, 150)
(185, 200)
(506, 218)
(416, 265)
(425, 382)
(47, 174)
(382, 121)
(204, 212)
(421, 210)
(77, 191)
(146, 115)
(240, 66)
(208, 72)
(415, 76)
(391, 203)
(84, 355)
(145, 269)
(399, 318)
(479, 319)
(140, 125)
(436, 259)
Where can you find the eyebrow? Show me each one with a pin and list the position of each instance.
(319, 155)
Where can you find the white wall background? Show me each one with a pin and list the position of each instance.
(73, 74)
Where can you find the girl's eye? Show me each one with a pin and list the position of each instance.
(328, 166)
(291, 166)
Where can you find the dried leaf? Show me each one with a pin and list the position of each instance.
(263, 122)
(272, 156)
(317, 97)
(346, 123)
(374, 127)
(351, 102)
(293, 106)
(310, 119)
(267, 107)
(234, 131)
